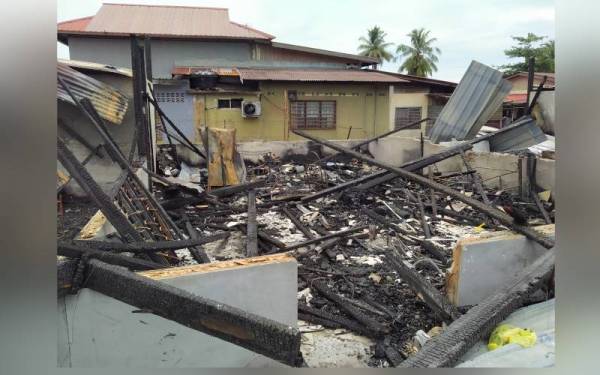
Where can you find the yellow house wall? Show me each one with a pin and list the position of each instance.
(407, 99)
(519, 84)
(364, 107)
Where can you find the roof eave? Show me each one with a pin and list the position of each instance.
(96, 34)
(362, 59)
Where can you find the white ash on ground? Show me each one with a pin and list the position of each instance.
(334, 347)
(281, 225)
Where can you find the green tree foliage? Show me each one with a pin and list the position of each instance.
(420, 57)
(530, 46)
(374, 45)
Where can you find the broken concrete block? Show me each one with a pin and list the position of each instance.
(483, 263)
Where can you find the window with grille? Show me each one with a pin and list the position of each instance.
(407, 115)
(229, 103)
(313, 114)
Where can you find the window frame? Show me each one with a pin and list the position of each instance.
(417, 126)
(295, 125)
(229, 100)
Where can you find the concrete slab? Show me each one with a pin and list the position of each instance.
(482, 263)
(99, 331)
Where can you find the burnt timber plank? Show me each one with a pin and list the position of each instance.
(432, 297)
(196, 251)
(301, 227)
(342, 233)
(258, 334)
(252, 230)
(376, 328)
(145, 247)
(72, 251)
(339, 321)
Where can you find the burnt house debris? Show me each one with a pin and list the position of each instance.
(354, 242)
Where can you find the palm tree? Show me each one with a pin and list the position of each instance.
(374, 45)
(420, 57)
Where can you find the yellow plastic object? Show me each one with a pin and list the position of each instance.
(508, 334)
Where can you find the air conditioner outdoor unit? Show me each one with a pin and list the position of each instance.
(250, 109)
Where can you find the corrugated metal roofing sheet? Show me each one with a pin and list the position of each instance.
(518, 138)
(478, 95)
(166, 21)
(78, 24)
(316, 75)
(92, 66)
(110, 103)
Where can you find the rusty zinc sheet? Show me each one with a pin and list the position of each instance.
(169, 21)
(478, 95)
(110, 103)
(317, 75)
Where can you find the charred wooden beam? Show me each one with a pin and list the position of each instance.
(446, 349)
(453, 174)
(417, 199)
(74, 251)
(144, 247)
(223, 192)
(435, 251)
(95, 150)
(93, 190)
(540, 206)
(384, 221)
(271, 240)
(258, 334)
(301, 227)
(432, 297)
(376, 328)
(341, 187)
(482, 207)
(337, 320)
(196, 251)
(252, 231)
(342, 233)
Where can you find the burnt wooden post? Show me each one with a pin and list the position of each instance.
(252, 231)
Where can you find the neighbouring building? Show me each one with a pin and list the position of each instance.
(210, 71)
(515, 104)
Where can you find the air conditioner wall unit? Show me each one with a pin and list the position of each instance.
(250, 109)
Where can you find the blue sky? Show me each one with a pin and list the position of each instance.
(466, 29)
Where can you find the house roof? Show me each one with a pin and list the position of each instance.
(537, 75)
(316, 75)
(161, 21)
(518, 98)
(293, 47)
(297, 75)
(417, 79)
